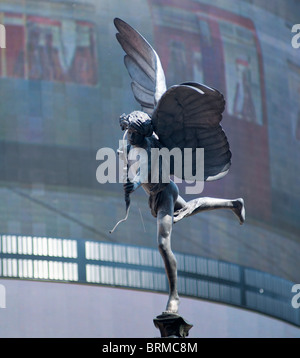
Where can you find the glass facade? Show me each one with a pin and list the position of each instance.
(92, 262)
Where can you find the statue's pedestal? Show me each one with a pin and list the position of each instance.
(172, 325)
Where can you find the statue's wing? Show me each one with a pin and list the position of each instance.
(144, 66)
(189, 116)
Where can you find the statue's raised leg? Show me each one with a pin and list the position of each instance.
(195, 206)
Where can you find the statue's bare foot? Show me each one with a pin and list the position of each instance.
(173, 305)
(239, 209)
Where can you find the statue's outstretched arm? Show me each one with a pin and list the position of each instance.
(131, 186)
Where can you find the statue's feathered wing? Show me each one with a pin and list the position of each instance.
(184, 116)
(144, 67)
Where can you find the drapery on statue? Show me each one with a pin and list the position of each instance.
(184, 116)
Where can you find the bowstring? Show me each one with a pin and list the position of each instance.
(125, 175)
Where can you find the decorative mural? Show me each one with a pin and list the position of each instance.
(203, 43)
(47, 49)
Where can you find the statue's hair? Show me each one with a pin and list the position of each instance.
(138, 121)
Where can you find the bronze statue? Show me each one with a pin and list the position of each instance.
(184, 116)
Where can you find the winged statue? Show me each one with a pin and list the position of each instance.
(186, 115)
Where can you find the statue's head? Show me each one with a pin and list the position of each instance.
(138, 124)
